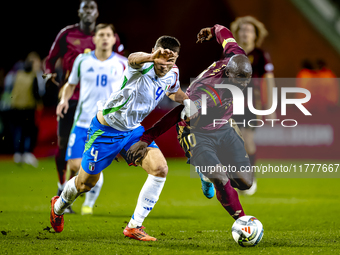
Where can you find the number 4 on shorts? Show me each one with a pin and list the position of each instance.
(94, 154)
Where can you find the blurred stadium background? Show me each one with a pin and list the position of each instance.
(299, 30)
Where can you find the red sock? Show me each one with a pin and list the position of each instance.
(228, 198)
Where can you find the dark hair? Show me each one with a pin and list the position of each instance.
(80, 1)
(307, 64)
(104, 25)
(168, 42)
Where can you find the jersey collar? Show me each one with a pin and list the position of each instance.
(94, 55)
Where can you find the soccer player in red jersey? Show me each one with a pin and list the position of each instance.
(208, 145)
(250, 33)
(69, 43)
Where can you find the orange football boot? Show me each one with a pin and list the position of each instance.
(57, 221)
(138, 233)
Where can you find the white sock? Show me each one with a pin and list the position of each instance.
(92, 195)
(67, 197)
(147, 199)
(61, 186)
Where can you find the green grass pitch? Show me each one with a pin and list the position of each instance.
(300, 216)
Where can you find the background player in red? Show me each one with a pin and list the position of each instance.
(250, 33)
(69, 43)
(216, 145)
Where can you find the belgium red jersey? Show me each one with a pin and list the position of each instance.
(69, 43)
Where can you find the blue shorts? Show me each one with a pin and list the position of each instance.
(76, 143)
(104, 143)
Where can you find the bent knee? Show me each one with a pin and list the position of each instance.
(217, 177)
(244, 184)
(84, 186)
(161, 170)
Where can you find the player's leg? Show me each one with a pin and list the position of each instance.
(74, 152)
(103, 144)
(232, 153)
(225, 193)
(156, 166)
(250, 146)
(91, 196)
(187, 140)
(79, 184)
(248, 133)
(74, 155)
(64, 129)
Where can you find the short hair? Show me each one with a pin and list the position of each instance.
(104, 25)
(168, 42)
(80, 1)
(260, 30)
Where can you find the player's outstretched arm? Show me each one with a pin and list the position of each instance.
(179, 96)
(139, 149)
(67, 93)
(163, 56)
(223, 36)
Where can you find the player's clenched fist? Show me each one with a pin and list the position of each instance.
(204, 35)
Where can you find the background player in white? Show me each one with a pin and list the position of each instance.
(100, 73)
(117, 127)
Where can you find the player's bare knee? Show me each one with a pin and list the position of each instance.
(84, 186)
(245, 183)
(218, 176)
(161, 170)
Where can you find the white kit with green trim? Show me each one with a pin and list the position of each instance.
(98, 79)
(141, 91)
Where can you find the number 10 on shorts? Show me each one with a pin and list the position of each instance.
(94, 154)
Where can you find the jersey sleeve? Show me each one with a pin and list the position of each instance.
(130, 71)
(226, 39)
(58, 49)
(162, 125)
(175, 85)
(75, 73)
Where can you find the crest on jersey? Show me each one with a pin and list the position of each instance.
(91, 166)
(168, 84)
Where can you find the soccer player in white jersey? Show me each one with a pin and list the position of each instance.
(116, 128)
(100, 73)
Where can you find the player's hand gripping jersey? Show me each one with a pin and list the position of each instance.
(139, 94)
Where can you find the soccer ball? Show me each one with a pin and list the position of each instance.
(247, 231)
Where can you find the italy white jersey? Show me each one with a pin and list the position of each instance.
(139, 94)
(98, 79)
